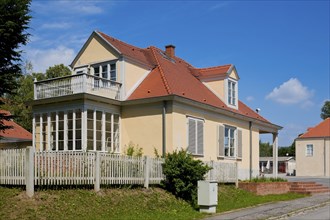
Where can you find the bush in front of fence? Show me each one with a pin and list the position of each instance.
(182, 172)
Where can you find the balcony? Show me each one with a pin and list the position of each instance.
(74, 84)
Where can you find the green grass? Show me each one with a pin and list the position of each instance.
(231, 198)
(117, 203)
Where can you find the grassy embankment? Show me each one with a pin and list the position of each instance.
(122, 203)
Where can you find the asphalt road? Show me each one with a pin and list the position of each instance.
(318, 213)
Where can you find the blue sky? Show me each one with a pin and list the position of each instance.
(280, 48)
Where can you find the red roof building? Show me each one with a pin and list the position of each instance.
(120, 94)
(15, 136)
(313, 151)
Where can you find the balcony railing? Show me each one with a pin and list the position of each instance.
(74, 84)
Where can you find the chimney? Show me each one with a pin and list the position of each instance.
(170, 51)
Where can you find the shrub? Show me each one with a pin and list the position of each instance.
(133, 150)
(264, 179)
(181, 175)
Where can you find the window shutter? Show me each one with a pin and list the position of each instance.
(191, 136)
(200, 137)
(239, 143)
(221, 141)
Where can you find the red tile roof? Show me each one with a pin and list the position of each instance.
(16, 132)
(319, 131)
(214, 71)
(174, 76)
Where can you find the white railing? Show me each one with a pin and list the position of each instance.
(222, 172)
(26, 167)
(74, 84)
(12, 167)
(64, 168)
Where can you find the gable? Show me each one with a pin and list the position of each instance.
(232, 73)
(95, 50)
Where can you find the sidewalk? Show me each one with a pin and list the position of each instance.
(277, 210)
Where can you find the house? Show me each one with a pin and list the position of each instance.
(313, 151)
(14, 137)
(285, 165)
(120, 94)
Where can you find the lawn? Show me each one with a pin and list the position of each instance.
(117, 203)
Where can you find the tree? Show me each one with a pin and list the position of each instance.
(14, 19)
(265, 149)
(17, 103)
(287, 151)
(325, 111)
(57, 71)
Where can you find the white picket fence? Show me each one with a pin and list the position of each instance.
(26, 167)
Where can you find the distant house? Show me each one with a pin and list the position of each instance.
(120, 94)
(313, 151)
(285, 165)
(14, 137)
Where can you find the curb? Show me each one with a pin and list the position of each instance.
(295, 212)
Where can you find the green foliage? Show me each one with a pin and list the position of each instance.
(57, 71)
(181, 175)
(325, 111)
(17, 103)
(133, 150)
(287, 151)
(14, 19)
(265, 149)
(231, 198)
(267, 180)
(156, 153)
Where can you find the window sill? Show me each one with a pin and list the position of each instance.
(197, 155)
(230, 158)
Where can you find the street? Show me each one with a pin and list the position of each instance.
(319, 213)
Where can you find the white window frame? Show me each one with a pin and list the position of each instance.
(196, 136)
(309, 150)
(231, 92)
(109, 70)
(231, 136)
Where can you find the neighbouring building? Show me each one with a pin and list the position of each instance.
(14, 137)
(119, 93)
(285, 165)
(313, 151)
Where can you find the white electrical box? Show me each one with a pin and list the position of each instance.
(207, 196)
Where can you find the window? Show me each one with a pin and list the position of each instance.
(230, 142)
(232, 93)
(105, 72)
(63, 130)
(309, 150)
(195, 136)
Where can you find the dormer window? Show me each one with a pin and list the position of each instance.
(232, 93)
(105, 71)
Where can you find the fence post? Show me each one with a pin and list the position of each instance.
(29, 171)
(97, 172)
(236, 181)
(212, 170)
(146, 171)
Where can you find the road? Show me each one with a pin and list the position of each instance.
(318, 213)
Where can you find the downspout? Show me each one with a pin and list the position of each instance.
(164, 129)
(250, 168)
(324, 159)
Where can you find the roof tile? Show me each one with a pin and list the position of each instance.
(320, 130)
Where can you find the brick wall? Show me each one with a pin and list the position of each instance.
(266, 188)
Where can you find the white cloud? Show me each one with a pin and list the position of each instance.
(56, 25)
(292, 92)
(42, 59)
(249, 98)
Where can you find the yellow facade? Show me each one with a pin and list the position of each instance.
(316, 165)
(95, 51)
(142, 125)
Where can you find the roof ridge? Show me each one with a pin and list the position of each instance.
(214, 67)
(167, 87)
(122, 42)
